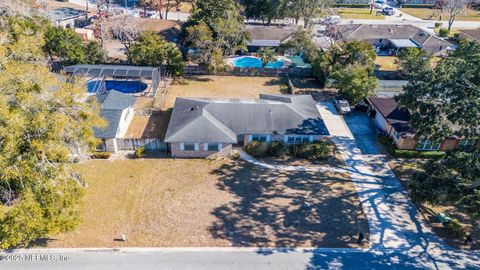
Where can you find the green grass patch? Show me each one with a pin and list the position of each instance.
(418, 154)
(359, 13)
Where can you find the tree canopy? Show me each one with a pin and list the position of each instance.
(444, 98)
(215, 27)
(351, 66)
(450, 180)
(67, 46)
(42, 126)
(153, 50)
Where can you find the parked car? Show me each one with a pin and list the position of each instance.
(388, 11)
(342, 106)
(380, 5)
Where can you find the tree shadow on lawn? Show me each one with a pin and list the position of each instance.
(287, 209)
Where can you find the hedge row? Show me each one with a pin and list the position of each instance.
(352, 5)
(416, 6)
(418, 154)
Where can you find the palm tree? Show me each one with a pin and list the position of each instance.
(266, 55)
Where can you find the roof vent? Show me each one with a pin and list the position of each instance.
(422, 34)
(390, 30)
(194, 108)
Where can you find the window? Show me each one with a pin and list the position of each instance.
(466, 144)
(427, 145)
(212, 147)
(189, 147)
(298, 139)
(260, 138)
(396, 135)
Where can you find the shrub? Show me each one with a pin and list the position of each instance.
(388, 143)
(235, 155)
(140, 152)
(456, 36)
(101, 155)
(278, 149)
(438, 24)
(418, 154)
(313, 151)
(352, 5)
(257, 149)
(454, 228)
(443, 32)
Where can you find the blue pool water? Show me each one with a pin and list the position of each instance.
(127, 87)
(254, 62)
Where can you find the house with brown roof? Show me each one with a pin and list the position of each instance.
(396, 123)
(389, 39)
(470, 34)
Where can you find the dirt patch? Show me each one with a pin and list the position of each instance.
(201, 203)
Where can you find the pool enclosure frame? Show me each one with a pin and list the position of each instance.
(102, 72)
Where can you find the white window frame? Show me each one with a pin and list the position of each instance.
(184, 148)
(218, 145)
(396, 135)
(297, 139)
(259, 137)
(466, 144)
(425, 143)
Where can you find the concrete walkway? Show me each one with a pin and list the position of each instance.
(394, 221)
(288, 168)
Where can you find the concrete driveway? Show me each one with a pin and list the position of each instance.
(363, 129)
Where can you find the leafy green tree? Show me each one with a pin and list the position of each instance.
(444, 99)
(351, 65)
(452, 180)
(94, 53)
(266, 10)
(414, 61)
(266, 55)
(152, 50)
(354, 82)
(302, 43)
(64, 44)
(42, 125)
(215, 25)
(306, 9)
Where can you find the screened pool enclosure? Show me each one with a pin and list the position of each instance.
(126, 79)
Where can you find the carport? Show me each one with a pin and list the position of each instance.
(402, 43)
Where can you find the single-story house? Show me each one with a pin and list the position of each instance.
(421, 3)
(391, 38)
(201, 127)
(273, 36)
(68, 17)
(395, 121)
(117, 109)
(470, 34)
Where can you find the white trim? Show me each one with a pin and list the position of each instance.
(182, 146)
(220, 146)
(205, 146)
(196, 147)
(250, 138)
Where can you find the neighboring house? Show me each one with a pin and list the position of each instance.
(68, 17)
(262, 36)
(470, 34)
(389, 39)
(396, 123)
(117, 109)
(200, 127)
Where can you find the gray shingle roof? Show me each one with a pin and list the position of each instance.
(112, 105)
(216, 120)
(272, 36)
(66, 13)
(428, 42)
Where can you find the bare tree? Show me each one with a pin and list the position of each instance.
(454, 8)
(124, 29)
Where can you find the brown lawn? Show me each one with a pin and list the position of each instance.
(389, 63)
(201, 203)
(435, 14)
(224, 87)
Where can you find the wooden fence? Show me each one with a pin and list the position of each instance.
(250, 72)
(150, 145)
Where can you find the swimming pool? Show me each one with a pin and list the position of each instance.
(127, 87)
(254, 62)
